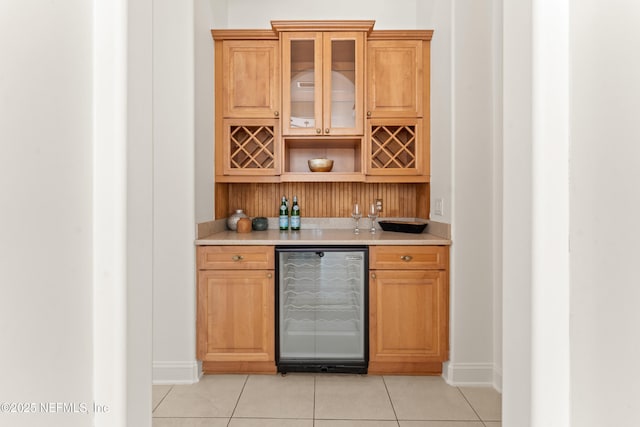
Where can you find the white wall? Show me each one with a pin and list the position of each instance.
(517, 207)
(570, 338)
(605, 208)
(438, 15)
(75, 308)
(466, 175)
(183, 161)
(387, 14)
(205, 16)
(173, 192)
(550, 215)
(139, 200)
(498, 195)
(46, 207)
(472, 194)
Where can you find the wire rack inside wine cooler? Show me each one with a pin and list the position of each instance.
(321, 294)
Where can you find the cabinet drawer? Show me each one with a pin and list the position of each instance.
(235, 257)
(408, 257)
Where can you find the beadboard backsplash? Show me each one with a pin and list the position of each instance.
(323, 200)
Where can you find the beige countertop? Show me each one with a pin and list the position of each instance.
(320, 232)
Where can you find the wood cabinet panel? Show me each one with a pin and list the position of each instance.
(251, 147)
(395, 78)
(396, 147)
(409, 309)
(345, 152)
(251, 78)
(408, 257)
(407, 319)
(235, 257)
(311, 78)
(322, 83)
(324, 200)
(236, 316)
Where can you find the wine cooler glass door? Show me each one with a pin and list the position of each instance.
(322, 311)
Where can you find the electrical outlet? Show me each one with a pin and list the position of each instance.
(438, 208)
(379, 205)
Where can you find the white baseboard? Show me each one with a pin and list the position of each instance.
(471, 374)
(497, 379)
(175, 373)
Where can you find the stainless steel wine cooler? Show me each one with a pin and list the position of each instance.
(322, 309)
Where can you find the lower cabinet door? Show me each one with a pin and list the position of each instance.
(235, 320)
(408, 317)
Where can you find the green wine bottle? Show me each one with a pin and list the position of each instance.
(284, 215)
(295, 214)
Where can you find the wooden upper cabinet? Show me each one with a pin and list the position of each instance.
(323, 83)
(397, 109)
(396, 78)
(250, 79)
(247, 104)
(335, 89)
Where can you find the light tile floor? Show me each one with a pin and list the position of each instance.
(324, 400)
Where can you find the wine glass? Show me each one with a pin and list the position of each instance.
(373, 214)
(356, 214)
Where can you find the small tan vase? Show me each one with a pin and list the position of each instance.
(244, 225)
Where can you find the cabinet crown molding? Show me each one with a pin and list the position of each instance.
(313, 25)
(400, 35)
(230, 34)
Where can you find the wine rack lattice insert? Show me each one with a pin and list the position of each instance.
(393, 147)
(252, 147)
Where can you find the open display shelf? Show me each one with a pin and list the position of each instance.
(345, 152)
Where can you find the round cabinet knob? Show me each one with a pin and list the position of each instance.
(373, 275)
(326, 130)
(237, 258)
(368, 113)
(269, 275)
(275, 113)
(406, 258)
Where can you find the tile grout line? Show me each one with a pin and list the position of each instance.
(471, 406)
(161, 400)
(246, 379)
(390, 400)
(313, 416)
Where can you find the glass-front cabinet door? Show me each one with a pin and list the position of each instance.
(302, 79)
(323, 78)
